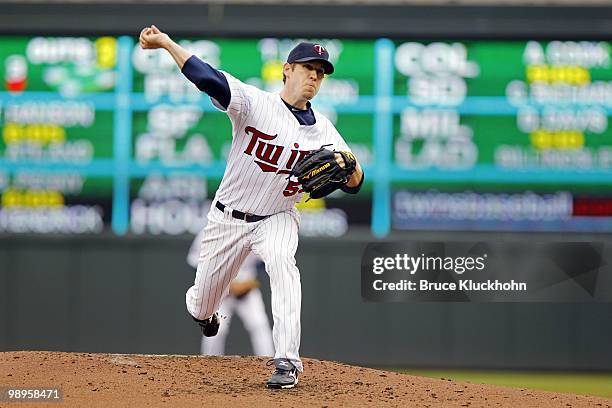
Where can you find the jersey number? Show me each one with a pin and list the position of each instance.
(293, 187)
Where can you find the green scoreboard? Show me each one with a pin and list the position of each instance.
(471, 135)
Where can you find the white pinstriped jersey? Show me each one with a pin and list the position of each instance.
(267, 142)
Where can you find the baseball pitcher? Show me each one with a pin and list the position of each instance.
(281, 148)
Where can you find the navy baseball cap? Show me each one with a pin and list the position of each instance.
(311, 52)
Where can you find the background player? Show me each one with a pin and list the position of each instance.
(245, 300)
(255, 209)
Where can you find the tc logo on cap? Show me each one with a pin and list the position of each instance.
(319, 49)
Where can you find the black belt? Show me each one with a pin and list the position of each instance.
(242, 216)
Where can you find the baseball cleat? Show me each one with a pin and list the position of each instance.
(284, 376)
(210, 326)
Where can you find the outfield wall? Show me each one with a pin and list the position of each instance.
(126, 295)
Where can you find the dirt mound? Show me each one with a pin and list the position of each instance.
(103, 380)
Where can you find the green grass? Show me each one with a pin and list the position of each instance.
(597, 384)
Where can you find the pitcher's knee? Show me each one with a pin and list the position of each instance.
(198, 308)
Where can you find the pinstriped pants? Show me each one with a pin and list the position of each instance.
(226, 243)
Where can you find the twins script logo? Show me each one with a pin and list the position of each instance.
(267, 157)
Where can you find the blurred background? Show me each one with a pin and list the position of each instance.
(474, 122)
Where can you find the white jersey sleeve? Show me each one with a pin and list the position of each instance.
(241, 99)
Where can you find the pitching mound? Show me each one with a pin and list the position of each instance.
(104, 380)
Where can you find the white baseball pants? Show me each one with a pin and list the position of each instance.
(226, 243)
